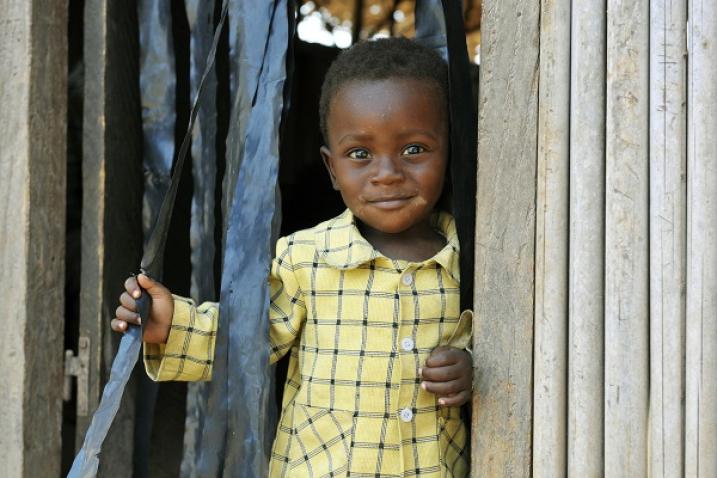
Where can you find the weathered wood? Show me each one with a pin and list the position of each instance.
(505, 235)
(551, 244)
(701, 360)
(111, 215)
(668, 151)
(626, 238)
(586, 264)
(33, 108)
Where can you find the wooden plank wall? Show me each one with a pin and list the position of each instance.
(505, 238)
(111, 210)
(586, 277)
(551, 243)
(33, 102)
(621, 319)
(701, 326)
(668, 176)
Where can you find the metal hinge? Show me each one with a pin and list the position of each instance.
(78, 366)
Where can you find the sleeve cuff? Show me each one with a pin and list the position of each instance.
(189, 352)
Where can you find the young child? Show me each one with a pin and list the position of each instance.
(367, 303)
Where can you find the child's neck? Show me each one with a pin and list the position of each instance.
(415, 244)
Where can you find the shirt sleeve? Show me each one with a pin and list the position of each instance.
(188, 354)
(462, 337)
(287, 311)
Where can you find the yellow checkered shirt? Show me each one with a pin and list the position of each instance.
(358, 326)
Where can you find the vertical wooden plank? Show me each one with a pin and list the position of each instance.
(668, 157)
(551, 244)
(587, 213)
(33, 108)
(626, 238)
(505, 238)
(111, 212)
(701, 360)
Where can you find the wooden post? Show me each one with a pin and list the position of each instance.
(551, 244)
(33, 108)
(586, 264)
(111, 206)
(668, 151)
(626, 238)
(701, 360)
(505, 236)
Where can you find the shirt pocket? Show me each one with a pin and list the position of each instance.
(320, 442)
(452, 447)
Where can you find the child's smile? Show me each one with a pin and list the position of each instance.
(387, 152)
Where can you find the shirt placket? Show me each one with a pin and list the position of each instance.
(407, 349)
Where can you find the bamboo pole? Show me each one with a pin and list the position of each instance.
(626, 234)
(551, 245)
(668, 150)
(701, 345)
(586, 263)
(505, 235)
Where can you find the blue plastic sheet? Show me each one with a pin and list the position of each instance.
(239, 430)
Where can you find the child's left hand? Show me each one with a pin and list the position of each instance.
(448, 373)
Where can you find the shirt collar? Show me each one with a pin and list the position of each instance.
(343, 247)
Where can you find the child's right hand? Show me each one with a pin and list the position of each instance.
(156, 330)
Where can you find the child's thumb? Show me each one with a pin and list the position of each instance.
(150, 285)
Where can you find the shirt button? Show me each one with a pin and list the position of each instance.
(406, 415)
(407, 279)
(407, 344)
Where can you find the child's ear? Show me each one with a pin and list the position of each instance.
(326, 156)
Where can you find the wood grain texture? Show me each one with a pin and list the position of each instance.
(505, 239)
(586, 264)
(668, 161)
(33, 108)
(551, 244)
(111, 213)
(701, 360)
(626, 238)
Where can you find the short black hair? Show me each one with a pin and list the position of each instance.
(380, 60)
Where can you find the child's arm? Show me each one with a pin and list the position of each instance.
(448, 373)
(179, 336)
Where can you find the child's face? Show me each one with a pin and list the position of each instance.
(387, 150)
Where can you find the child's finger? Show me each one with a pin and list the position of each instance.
(455, 400)
(130, 285)
(127, 315)
(442, 356)
(128, 302)
(118, 325)
(443, 389)
(441, 374)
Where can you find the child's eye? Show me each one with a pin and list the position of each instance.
(358, 153)
(413, 149)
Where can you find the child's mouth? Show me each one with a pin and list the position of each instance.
(389, 203)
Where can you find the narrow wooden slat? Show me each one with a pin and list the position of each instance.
(668, 156)
(33, 112)
(701, 360)
(111, 205)
(586, 265)
(626, 238)
(551, 244)
(505, 235)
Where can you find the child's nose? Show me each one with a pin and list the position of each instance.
(388, 170)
